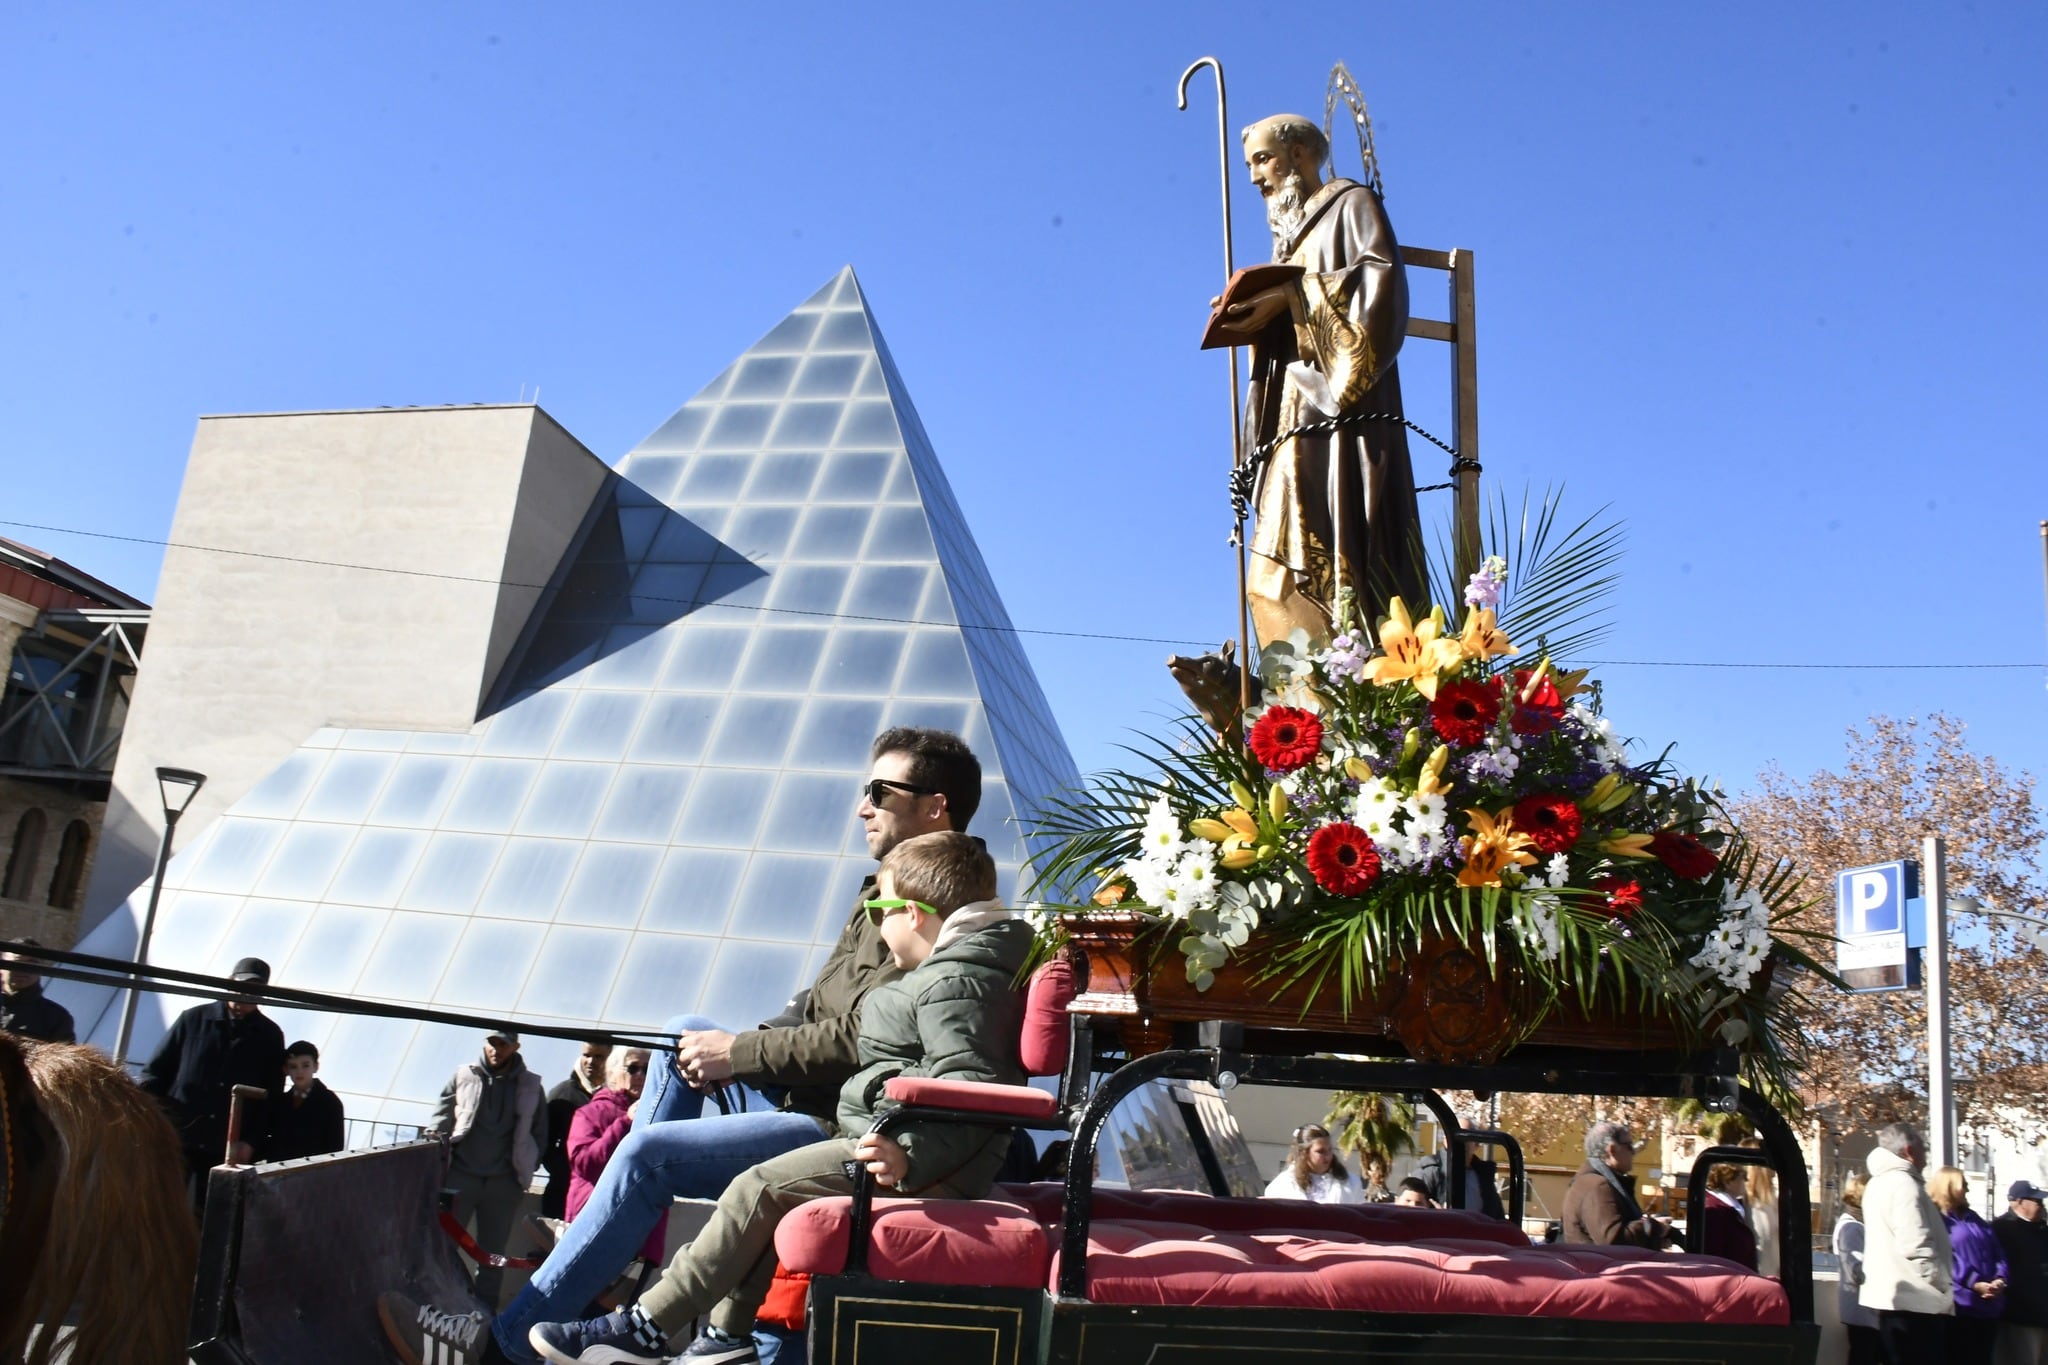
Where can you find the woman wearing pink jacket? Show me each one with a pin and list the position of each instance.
(598, 1129)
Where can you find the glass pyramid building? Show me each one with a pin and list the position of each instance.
(655, 816)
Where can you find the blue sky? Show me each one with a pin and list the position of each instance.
(1763, 280)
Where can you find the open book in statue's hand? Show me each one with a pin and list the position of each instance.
(1243, 287)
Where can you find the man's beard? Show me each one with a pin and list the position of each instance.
(1285, 213)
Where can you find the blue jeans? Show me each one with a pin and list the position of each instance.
(671, 1153)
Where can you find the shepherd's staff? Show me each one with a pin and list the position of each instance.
(1244, 656)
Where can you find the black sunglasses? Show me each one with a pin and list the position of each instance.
(877, 789)
(636, 1068)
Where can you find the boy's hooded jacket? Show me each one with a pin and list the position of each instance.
(957, 1015)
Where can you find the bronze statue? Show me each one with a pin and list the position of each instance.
(1323, 347)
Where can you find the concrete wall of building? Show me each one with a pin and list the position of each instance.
(290, 619)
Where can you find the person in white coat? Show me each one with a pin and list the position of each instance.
(1313, 1172)
(1908, 1266)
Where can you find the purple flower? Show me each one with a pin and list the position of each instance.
(1485, 587)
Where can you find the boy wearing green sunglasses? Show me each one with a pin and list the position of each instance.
(955, 1013)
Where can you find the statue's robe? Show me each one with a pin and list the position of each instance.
(1349, 317)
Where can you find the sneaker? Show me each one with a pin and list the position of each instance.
(719, 1350)
(425, 1335)
(608, 1340)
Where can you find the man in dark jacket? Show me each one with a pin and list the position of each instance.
(24, 1009)
(920, 781)
(1481, 1189)
(209, 1050)
(564, 1100)
(1599, 1208)
(2023, 1332)
(306, 1120)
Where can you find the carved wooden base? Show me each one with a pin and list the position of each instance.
(1443, 1003)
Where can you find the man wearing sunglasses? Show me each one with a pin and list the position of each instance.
(780, 1081)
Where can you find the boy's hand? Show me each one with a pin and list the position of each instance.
(886, 1160)
(704, 1057)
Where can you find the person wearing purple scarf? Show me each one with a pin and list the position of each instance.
(1980, 1270)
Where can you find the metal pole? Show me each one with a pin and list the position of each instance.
(156, 890)
(1244, 631)
(1941, 1102)
(2044, 558)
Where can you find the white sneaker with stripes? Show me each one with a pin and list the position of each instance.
(425, 1335)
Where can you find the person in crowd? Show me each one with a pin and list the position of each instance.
(2023, 1236)
(1726, 1223)
(598, 1129)
(1599, 1207)
(1313, 1171)
(585, 1079)
(1376, 1173)
(919, 781)
(1907, 1264)
(1482, 1182)
(954, 1015)
(1980, 1270)
(1052, 1162)
(307, 1119)
(208, 1051)
(1412, 1193)
(495, 1121)
(1761, 1209)
(24, 1009)
(1857, 1321)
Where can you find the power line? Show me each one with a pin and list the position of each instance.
(964, 625)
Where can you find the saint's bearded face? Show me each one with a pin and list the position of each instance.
(1284, 212)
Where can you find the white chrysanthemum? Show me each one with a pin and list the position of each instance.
(1162, 836)
(1429, 808)
(1537, 924)
(1557, 872)
(1606, 748)
(1192, 883)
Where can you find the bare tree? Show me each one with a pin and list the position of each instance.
(1904, 780)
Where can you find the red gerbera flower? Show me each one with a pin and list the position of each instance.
(1342, 859)
(1551, 821)
(1537, 709)
(1686, 856)
(1286, 737)
(1464, 712)
(1624, 897)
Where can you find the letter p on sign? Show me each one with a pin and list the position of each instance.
(1870, 895)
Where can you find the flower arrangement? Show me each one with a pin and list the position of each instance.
(1430, 781)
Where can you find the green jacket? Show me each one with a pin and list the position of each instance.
(812, 1046)
(957, 1015)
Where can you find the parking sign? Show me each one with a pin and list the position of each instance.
(1872, 908)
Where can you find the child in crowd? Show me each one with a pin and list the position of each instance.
(306, 1120)
(956, 1013)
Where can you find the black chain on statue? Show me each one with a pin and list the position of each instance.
(1244, 478)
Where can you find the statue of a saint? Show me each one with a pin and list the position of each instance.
(1334, 511)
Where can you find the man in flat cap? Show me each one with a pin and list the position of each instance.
(496, 1121)
(2023, 1331)
(211, 1049)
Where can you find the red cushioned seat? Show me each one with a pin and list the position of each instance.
(934, 1241)
(1179, 1264)
(1247, 1253)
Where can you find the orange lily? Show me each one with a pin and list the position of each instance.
(1482, 638)
(1414, 654)
(1493, 846)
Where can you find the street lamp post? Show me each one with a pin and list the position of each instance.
(177, 786)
